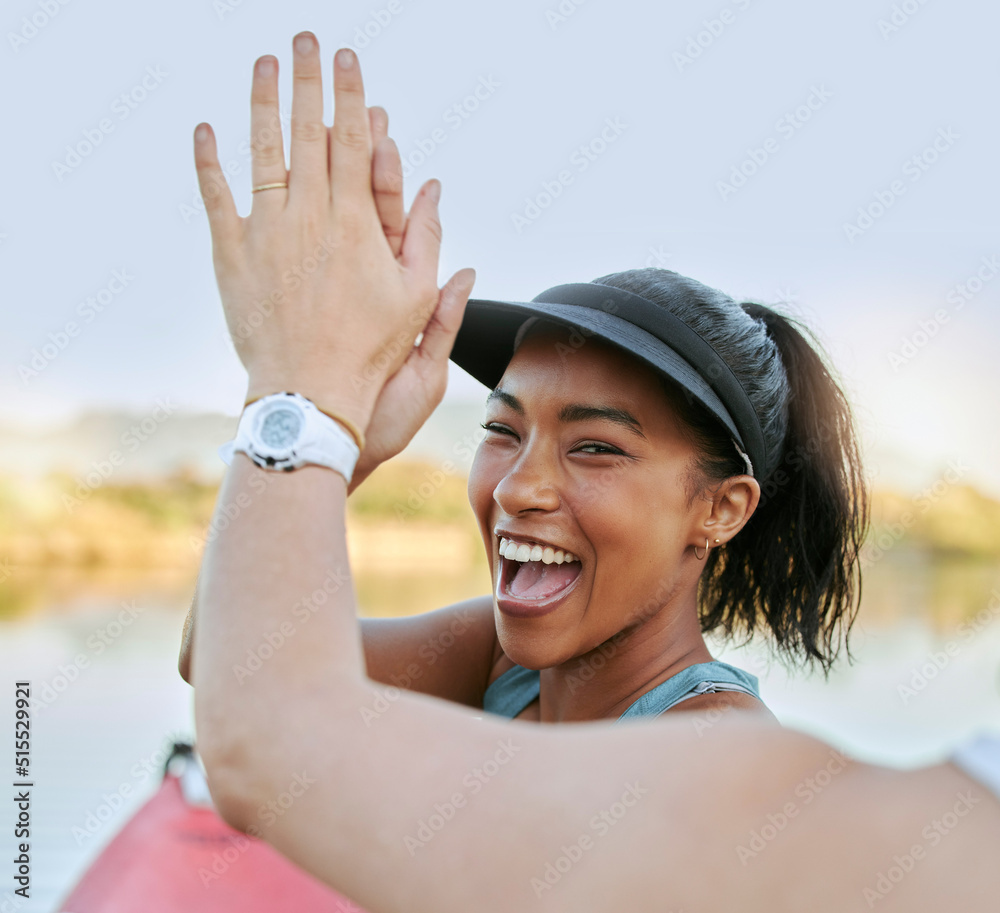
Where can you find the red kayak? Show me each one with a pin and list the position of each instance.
(176, 854)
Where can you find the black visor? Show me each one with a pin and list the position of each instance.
(648, 331)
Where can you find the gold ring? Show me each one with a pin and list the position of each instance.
(270, 186)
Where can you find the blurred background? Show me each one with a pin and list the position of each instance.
(838, 161)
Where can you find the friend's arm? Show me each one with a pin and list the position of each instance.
(447, 653)
(416, 805)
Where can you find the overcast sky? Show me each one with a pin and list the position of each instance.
(738, 143)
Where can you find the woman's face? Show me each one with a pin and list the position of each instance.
(583, 452)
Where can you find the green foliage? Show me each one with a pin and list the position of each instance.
(400, 490)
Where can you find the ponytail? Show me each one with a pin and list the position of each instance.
(794, 568)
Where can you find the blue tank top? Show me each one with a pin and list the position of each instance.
(511, 692)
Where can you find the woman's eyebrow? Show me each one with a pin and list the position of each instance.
(576, 412)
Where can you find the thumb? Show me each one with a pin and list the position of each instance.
(442, 328)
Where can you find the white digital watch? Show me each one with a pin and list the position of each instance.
(283, 431)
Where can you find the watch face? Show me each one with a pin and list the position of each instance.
(281, 427)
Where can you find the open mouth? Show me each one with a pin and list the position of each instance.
(537, 580)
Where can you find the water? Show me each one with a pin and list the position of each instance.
(926, 676)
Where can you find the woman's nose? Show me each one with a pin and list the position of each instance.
(530, 483)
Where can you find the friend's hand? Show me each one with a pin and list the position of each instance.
(415, 390)
(332, 311)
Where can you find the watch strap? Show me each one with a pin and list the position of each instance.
(322, 440)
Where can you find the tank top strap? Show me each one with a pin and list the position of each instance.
(701, 678)
(509, 693)
(515, 689)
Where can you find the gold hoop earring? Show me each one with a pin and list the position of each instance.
(701, 557)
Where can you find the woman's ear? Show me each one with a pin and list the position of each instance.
(731, 505)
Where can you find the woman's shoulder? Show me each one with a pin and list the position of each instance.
(721, 701)
(710, 688)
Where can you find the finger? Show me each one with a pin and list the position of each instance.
(378, 123)
(441, 330)
(351, 150)
(422, 238)
(387, 188)
(223, 219)
(387, 179)
(267, 149)
(308, 173)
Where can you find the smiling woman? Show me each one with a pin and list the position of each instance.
(632, 424)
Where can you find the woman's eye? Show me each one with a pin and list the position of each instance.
(493, 426)
(600, 448)
(592, 447)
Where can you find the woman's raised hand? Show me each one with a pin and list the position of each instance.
(332, 279)
(415, 390)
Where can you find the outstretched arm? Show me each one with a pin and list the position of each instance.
(415, 804)
(407, 803)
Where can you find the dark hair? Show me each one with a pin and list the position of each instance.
(794, 567)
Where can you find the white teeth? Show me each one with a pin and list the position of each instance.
(524, 552)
